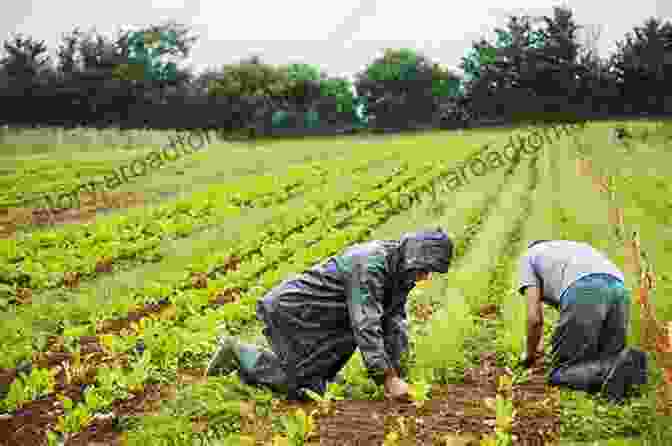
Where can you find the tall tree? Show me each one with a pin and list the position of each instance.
(397, 88)
(643, 63)
(26, 57)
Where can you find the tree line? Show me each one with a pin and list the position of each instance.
(537, 69)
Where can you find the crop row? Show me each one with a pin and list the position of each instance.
(50, 259)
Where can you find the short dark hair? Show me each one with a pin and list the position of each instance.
(536, 242)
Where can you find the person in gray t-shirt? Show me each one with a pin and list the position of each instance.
(589, 351)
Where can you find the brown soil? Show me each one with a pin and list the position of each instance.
(12, 218)
(456, 410)
(102, 431)
(423, 312)
(29, 424)
(488, 311)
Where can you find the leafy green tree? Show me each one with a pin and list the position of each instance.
(250, 77)
(342, 90)
(643, 66)
(399, 87)
(25, 58)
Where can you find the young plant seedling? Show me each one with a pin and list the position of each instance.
(300, 428)
(419, 392)
(325, 403)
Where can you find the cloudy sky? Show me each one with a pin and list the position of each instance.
(341, 37)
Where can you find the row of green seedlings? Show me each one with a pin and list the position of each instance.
(114, 242)
(510, 337)
(583, 417)
(201, 329)
(443, 363)
(475, 223)
(654, 421)
(438, 355)
(18, 340)
(358, 232)
(64, 257)
(462, 309)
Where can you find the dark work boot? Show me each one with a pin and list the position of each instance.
(629, 370)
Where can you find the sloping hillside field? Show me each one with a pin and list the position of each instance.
(109, 317)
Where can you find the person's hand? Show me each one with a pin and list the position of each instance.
(396, 388)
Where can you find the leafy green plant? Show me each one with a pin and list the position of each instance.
(441, 350)
(27, 388)
(325, 402)
(419, 392)
(300, 427)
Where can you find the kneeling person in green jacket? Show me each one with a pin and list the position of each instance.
(316, 320)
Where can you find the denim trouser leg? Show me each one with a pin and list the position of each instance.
(590, 333)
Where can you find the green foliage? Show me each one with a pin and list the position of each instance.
(28, 388)
(250, 78)
(302, 73)
(484, 54)
(146, 49)
(342, 90)
(440, 351)
(403, 83)
(394, 65)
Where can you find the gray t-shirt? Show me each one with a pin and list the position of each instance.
(555, 265)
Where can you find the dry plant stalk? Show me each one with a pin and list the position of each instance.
(656, 336)
(632, 258)
(582, 167)
(616, 216)
(601, 183)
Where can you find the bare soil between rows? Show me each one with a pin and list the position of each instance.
(454, 409)
(29, 425)
(90, 206)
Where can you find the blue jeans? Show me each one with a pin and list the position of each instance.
(592, 330)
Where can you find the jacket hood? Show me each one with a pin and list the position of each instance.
(429, 250)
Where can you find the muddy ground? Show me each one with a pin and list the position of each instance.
(456, 409)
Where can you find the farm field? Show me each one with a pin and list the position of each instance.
(109, 318)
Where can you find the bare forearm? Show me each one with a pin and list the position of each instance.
(534, 339)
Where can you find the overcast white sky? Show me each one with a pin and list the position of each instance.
(340, 37)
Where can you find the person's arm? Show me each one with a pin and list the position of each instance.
(395, 333)
(531, 287)
(365, 306)
(535, 323)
